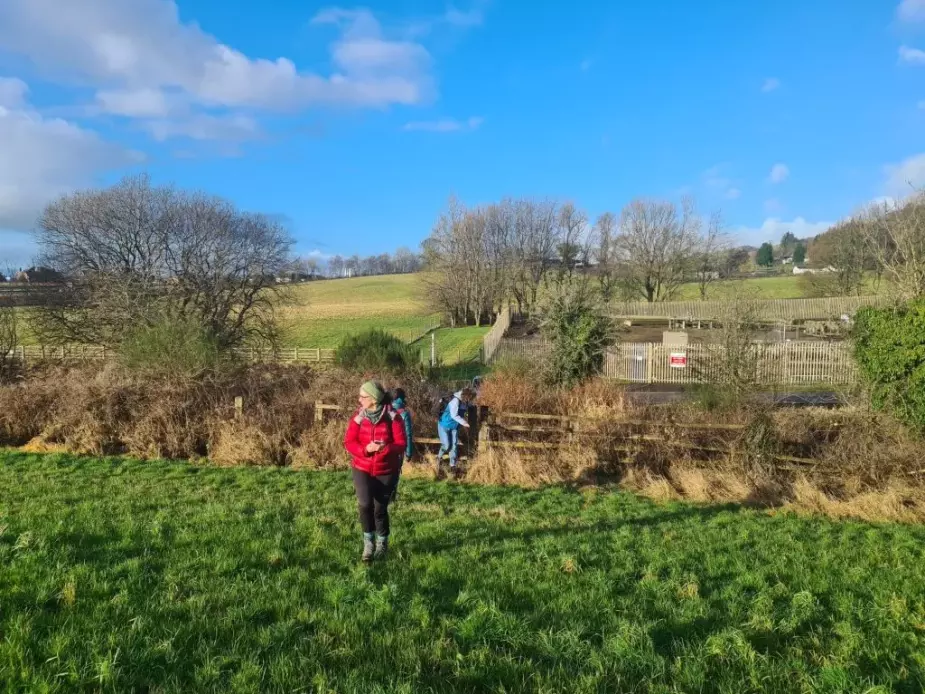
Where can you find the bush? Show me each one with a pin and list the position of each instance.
(735, 373)
(376, 351)
(580, 333)
(170, 348)
(889, 346)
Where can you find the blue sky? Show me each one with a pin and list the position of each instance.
(356, 123)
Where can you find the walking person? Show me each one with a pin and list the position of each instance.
(452, 418)
(400, 407)
(376, 441)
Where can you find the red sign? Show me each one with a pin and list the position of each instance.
(678, 360)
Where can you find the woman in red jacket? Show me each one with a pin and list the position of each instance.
(376, 439)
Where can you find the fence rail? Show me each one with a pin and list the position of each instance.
(784, 363)
(767, 309)
(285, 355)
(493, 337)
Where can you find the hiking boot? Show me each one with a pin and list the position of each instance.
(456, 472)
(369, 548)
(382, 547)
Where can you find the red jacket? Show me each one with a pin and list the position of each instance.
(361, 432)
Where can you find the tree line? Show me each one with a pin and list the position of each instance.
(883, 241)
(479, 258)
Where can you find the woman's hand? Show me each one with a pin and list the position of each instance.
(373, 447)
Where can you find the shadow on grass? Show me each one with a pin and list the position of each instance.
(499, 539)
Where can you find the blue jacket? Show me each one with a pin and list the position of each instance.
(454, 416)
(399, 406)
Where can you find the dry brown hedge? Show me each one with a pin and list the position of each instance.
(102, 409)
(860, 456)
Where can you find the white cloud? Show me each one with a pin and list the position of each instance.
(716, 180)
(453, 17)
(911, 56)
(779, 173)
(770, 84)
(12, 92)
(148, 63)
(45, 157)
(911, 10)
(906, 177)
(772, 205)
(232, 128)
(773, 228)
(464, 19)
(445, 125)
(135, 103)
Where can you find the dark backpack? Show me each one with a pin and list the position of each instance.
(439, 405)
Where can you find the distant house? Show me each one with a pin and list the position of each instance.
(38, 275)
(797, 270)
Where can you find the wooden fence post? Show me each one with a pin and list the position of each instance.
(238, 408)
(319, 412)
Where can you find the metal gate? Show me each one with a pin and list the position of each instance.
(636, 363)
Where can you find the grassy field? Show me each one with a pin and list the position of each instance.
(121, 576)
(323, 313)
(326, 312)
(777, 287)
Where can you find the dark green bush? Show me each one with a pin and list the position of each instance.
(580, 332)
(889, 346)
(376, 350)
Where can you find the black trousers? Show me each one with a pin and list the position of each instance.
(373, 496)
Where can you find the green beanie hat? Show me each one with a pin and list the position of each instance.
(374, 390)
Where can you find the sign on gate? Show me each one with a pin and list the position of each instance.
(678, 360)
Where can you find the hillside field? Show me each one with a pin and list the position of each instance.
(118, 575)
(322, 313)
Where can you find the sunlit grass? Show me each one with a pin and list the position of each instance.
(120, 576)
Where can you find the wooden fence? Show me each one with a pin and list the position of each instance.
(493, 337)
(285, 355)
(784, 363)
(774, 310)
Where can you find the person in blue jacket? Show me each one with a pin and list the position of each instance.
(453, 417)
(400, 407)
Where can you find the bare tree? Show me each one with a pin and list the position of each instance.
(300, 268)
(573, 239)
(9, 338)
(534, 238)
(136, 255)
(895, 236)
(842, 254)
(709, 254)
(468, 255)
(605, 230)
(336, 266)
(657, 245)
(405, 260)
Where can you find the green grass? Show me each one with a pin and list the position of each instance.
(777, 287)
(121, 576)
(324, 313)
(329, 333)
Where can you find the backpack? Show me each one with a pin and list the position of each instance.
(439, 405)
